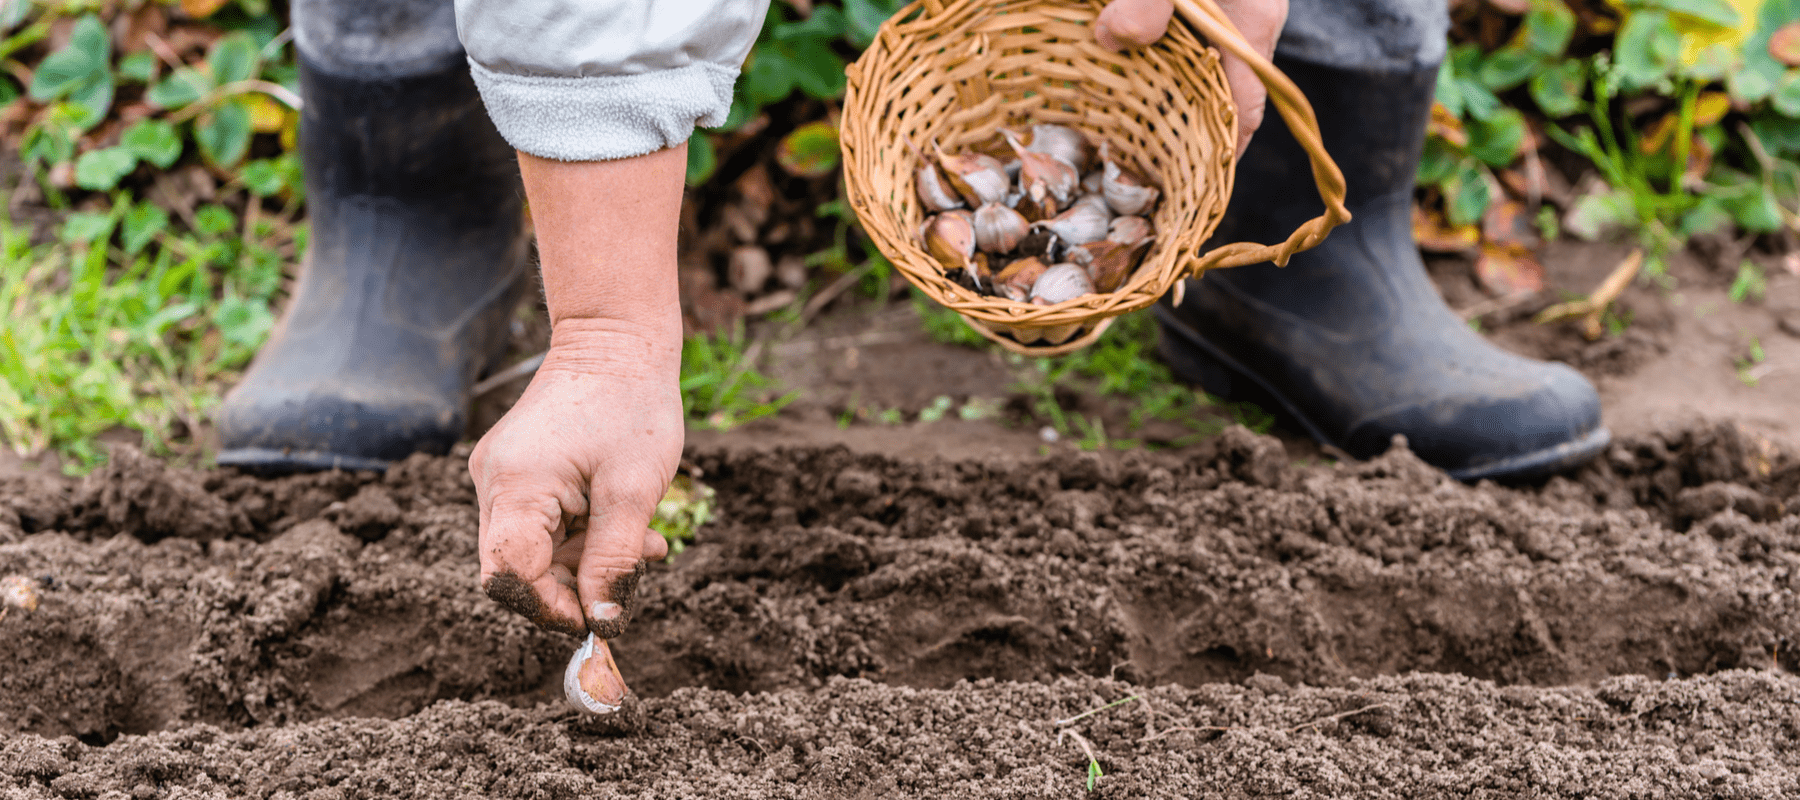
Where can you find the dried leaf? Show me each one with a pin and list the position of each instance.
(201, 9)
(266, 115)
(1446, 126)
(1508, 223)
(1505, 270)
(1784, 44)
(811, 151)
(1433, 234)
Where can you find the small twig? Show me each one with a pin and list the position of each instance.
(817, 302)
(1494, 304)
(522, 369)
(1086, 714)
(206, 101)
(1295, 729)
(1335, 717)
(1594, 307)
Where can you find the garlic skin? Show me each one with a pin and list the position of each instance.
(1061, 283)
(1108, 263)
(1063, 143)
(1090, 183)
(935, 190)
(1015, 281)
(1125, 191)
(1079, 225)
(1130, 230)
(980, 179)
(950, 238)
(999, 229)
(592, 681)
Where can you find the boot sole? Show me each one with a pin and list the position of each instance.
(266, 461)
(1199, 362)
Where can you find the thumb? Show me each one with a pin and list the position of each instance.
(612, 561)
(1132, 23)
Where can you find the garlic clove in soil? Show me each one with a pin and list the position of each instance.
(1125, 190)
(980, 179)
(18, 591)
(1015, 280)
(592, 682)
(950, 238)
(1081, 224)
(1061, 283)
(999, 229)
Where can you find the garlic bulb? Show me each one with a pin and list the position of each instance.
(1125, 191)
(998, 229)
(1079, 225)
(1061, 283)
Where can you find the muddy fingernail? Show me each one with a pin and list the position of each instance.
(605, 610)
(592, 681)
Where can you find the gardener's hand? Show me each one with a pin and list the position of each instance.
(1135, 23)
(592, 444)
(569, 479)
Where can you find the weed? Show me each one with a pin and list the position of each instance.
(686, 506)
(1748, 365)
(720, 386)
(940, 406)
(943, 325)
(1750, 284)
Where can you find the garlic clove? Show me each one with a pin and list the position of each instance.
(998, 229)
(935, 190)
(1065, 144)
(980, 179)
(1061, 283)
(1108, 263)
(950, 238)
(1125, 191)
(1130, 230)
(592, 681)
(1015, 280)
(1091, 182)
(1079, 225)
(1043, 175)
(1096, 200)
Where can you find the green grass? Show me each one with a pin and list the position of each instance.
(120, 323)
(720, 385)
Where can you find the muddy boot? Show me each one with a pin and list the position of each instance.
(1351, 341)
(417, 253)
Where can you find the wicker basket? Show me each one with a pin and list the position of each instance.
(952, 72)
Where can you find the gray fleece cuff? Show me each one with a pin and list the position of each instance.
(605, 117)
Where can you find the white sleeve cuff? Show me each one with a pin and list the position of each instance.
(605, 117)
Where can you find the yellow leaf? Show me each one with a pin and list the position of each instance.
(266, 115)
(1659, 134)
(1710, 107)
(290, 132)
(201, 9)
(1698, 35)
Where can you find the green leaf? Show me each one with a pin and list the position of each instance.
(224, 133)
(1596, 215)
(1508, 67)
(83, 227)
(1780, 135)
(810, 151)
(182, 87)
(100, 170)
(826, 22)
(1646, 50)
(142, 223)
(243, 322)
(93, 99)
(1496, 140)
(214, 220)
(770, 77)
(1786, 99)
(1548, 27)
(1756, 211)
(263, 177)
(1438, 163)
(1448, 92)
(48, 144)
(1716, 12)
(138, 67)
(1468, 195)
(1707, 216)
(1557, 89)
(153, 140)
(702, 159)
(1473, 99)
(233, 58)
(82, 61)
(866, 17)
(820, 72)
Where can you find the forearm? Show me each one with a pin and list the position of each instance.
(606, 233)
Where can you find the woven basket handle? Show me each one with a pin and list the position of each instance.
(1211, 21)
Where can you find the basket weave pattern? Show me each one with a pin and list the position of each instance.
(954, 72)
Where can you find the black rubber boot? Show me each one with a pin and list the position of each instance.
(1351, 340)
(417, 253)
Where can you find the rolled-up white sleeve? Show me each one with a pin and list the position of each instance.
(594, 80)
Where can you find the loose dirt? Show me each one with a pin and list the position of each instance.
(865, 625)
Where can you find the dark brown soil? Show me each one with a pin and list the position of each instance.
(872, 625)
